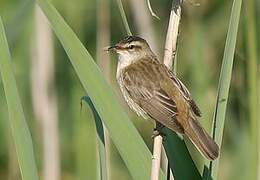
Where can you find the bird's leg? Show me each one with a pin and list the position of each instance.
(158, 130)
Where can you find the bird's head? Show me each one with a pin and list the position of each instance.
(131, 48)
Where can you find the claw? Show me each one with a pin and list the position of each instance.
(158, 132)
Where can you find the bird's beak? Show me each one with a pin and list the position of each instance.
(113, 48)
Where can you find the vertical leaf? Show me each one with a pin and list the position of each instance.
(20, 132)
(122, 13)
(211, 171)
(86, 151)
(179, 158)
(101, 139)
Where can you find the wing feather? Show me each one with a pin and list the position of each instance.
(152, 98)
(185, 92)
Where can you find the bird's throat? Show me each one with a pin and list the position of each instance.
(124, 61)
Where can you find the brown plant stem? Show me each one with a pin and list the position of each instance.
(44, 98)
(156, 159)
(172, 34)
(169, 55)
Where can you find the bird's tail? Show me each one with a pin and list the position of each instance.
(200, 138)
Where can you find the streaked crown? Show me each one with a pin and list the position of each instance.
(131, 44)
(132, 48)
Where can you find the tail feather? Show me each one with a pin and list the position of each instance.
(200, 138)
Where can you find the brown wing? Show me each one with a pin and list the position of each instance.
(150, 96)
(185, 93)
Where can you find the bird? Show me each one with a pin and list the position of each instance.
(152, 90)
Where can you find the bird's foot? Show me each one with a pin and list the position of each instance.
(157, 132)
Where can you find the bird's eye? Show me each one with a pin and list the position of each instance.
(131, 47)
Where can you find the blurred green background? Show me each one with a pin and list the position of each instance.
(201, 44)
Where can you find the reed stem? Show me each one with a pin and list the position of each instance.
(169, 55)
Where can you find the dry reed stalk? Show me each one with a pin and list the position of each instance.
(172, 34)
(44, 100)
(169, 55)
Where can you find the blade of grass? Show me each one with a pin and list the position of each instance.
(252, 83)
(20, 132)
(85, 140)
(122, 13)
(136, 155)
(179, 158)
(101, 138)
(211, 169)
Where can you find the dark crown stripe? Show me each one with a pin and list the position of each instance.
(129, 39)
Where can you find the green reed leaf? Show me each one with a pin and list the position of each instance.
(19, 129)
(211, 169)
